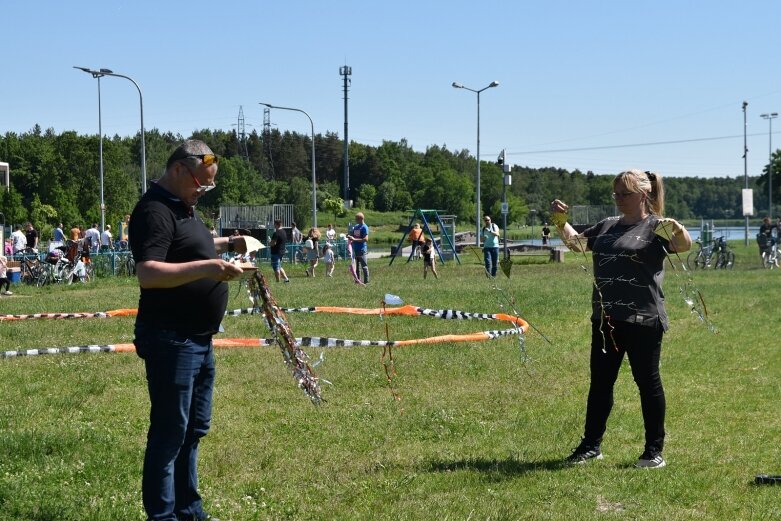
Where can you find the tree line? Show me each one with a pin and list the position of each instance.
(55, 178)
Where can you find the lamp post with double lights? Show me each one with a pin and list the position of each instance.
(769, 117)
(314, 177)
(107, 72)
(457, 85)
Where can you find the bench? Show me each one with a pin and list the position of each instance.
(553, 255)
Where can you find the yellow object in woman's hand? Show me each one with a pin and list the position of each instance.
(666, 228)
(559, 219)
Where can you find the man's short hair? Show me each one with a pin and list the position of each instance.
(359, 214)
(277, 222)
(191, 147)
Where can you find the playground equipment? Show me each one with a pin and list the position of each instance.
(447, 228)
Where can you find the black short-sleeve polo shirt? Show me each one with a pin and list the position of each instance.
(163, 228)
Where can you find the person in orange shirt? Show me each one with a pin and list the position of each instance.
(416, 239)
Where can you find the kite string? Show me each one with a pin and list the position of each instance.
(691, 295)
(510, 301)
(387, 357)
(560, 221)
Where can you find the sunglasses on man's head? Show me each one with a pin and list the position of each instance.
(207, 159)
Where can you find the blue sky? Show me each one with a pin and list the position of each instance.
(609, 77)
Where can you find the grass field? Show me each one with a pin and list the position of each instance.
(477, 434)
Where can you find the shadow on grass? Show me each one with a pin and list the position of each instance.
(507, 467)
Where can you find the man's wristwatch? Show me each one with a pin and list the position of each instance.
(231, 246)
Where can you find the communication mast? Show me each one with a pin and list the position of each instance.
(346, 71)
(241, 135)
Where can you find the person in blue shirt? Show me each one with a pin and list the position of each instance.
(58, 234)
(360, 236)
(490, 235)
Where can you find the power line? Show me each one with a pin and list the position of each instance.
(630, 145)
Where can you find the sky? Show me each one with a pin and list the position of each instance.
(597, 86)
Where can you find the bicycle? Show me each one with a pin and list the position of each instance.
(716, 253)
(725, 258)
(30, 267)
(125, 264)
(768, 247)
(57, 268)
(701, 258)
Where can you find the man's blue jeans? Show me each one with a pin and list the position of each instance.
(491, 257)
(180, 377)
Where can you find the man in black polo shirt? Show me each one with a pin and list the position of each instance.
(183, 299)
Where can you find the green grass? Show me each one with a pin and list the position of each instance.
(476, 435)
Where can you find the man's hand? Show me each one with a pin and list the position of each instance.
(224, 271)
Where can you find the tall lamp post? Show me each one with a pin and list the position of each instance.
(507, 180)
(314, 177)
(99, 74)
(107, 72)
(457, 85)
(769, 117)
(745, 163)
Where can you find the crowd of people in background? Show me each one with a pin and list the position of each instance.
(26, 239)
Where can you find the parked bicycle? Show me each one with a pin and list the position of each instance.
(715, 254)
(30, 267)
(57, 268)
(124, 264)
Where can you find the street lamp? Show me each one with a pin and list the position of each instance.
(507, 180)
(457, 85)
(107, 72)
(745, 164)
(314, 177)
(99, 74)
(769, 118)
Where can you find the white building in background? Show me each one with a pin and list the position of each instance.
(5, 173)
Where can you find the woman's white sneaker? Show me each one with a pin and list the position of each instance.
(650, 460)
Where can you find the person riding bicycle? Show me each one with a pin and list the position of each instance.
(765, 238)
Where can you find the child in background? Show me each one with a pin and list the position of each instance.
(328, 258)
(4, 275)
(428, 259)
(312, 255)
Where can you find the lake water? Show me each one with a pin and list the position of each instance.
(731, 233)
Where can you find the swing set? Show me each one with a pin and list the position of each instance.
(447, 237)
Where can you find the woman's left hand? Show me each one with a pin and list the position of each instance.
(667, 227)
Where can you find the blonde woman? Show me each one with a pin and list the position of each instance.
(628, 312)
